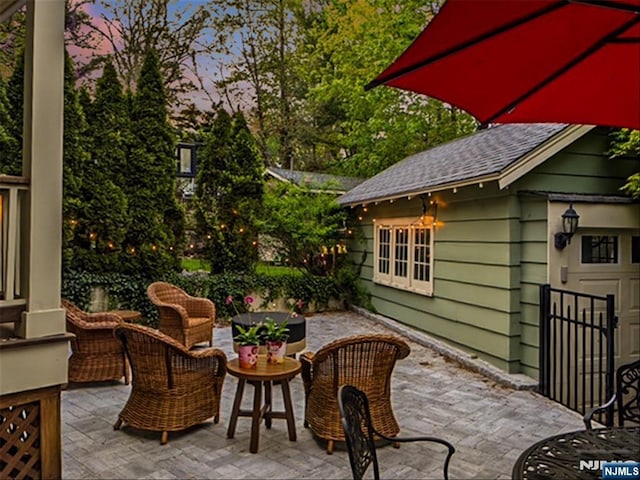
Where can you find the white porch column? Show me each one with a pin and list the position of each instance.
(43, 130)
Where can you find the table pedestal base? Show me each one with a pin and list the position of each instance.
(261, 411)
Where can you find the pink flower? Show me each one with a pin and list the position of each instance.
(300, 304)
(229, 300)
(248, 299)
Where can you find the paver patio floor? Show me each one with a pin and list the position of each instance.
(490, 425)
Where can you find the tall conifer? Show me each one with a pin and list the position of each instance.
(76, 159)
(9, 148)
(154, 237)
(106, 203)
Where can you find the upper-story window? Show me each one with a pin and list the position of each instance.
(404, 255)
(186, 154)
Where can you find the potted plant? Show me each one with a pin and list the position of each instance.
(275, 336)
(249, 341)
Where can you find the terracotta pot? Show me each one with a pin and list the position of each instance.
(276, 351)
(248, 356)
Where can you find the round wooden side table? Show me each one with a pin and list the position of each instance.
(263, 377)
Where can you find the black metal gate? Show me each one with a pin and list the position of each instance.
(577, 357)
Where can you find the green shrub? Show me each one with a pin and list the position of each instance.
(130, 292)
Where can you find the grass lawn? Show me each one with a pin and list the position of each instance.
(195, 264)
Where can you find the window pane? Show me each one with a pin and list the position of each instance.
(185, 160)
(635, 249)
(421, 254)
(401, 260)
(599, 249)
(384, 249)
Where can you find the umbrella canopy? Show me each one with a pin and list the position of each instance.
(568, 61)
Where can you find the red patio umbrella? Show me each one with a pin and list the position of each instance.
(506, 61)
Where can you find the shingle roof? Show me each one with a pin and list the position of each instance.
(319, 181)
(484, 153)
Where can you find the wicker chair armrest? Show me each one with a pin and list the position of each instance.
(451, 449)
(306, 360)
(179, 309)
(208, 352)
(199, 307)
(98, 325)
(588, 417)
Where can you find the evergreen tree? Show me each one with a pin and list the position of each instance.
(105, 202)
(229, 195)
(15, 98)
(75, 159)
(9, 148)
(155, 234)
(110, 129)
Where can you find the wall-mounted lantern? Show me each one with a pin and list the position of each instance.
(429, 212)
(569, 226)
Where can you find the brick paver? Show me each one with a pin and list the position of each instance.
(489, 424)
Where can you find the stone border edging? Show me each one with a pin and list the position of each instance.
(517, 381)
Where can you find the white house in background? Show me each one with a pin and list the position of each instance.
(315, 182)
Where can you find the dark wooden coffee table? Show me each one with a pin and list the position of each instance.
(263, 377)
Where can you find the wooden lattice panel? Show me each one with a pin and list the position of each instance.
(20, 441)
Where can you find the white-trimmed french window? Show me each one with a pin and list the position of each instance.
(403, 254)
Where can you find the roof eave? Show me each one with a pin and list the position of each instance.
(426, 190)
(9, 7)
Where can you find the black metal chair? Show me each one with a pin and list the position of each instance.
(626, 399)
(359, 433)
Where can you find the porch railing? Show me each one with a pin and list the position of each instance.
(13, 204)
(577, 351)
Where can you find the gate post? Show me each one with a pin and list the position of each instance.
(612, 323)
(543, 349)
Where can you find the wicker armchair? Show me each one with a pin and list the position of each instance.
(188, 319)
(172, 388)
(96, 355)
(364, 361)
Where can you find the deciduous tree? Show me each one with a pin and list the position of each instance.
(229, 195)
(309, 226)
(347, 43)
(175, 30)
(256, 52)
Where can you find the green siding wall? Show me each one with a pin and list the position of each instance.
(491, 255)
(476, 271)
(583, 167)
(533, 274)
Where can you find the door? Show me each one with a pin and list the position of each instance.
(607, 261)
